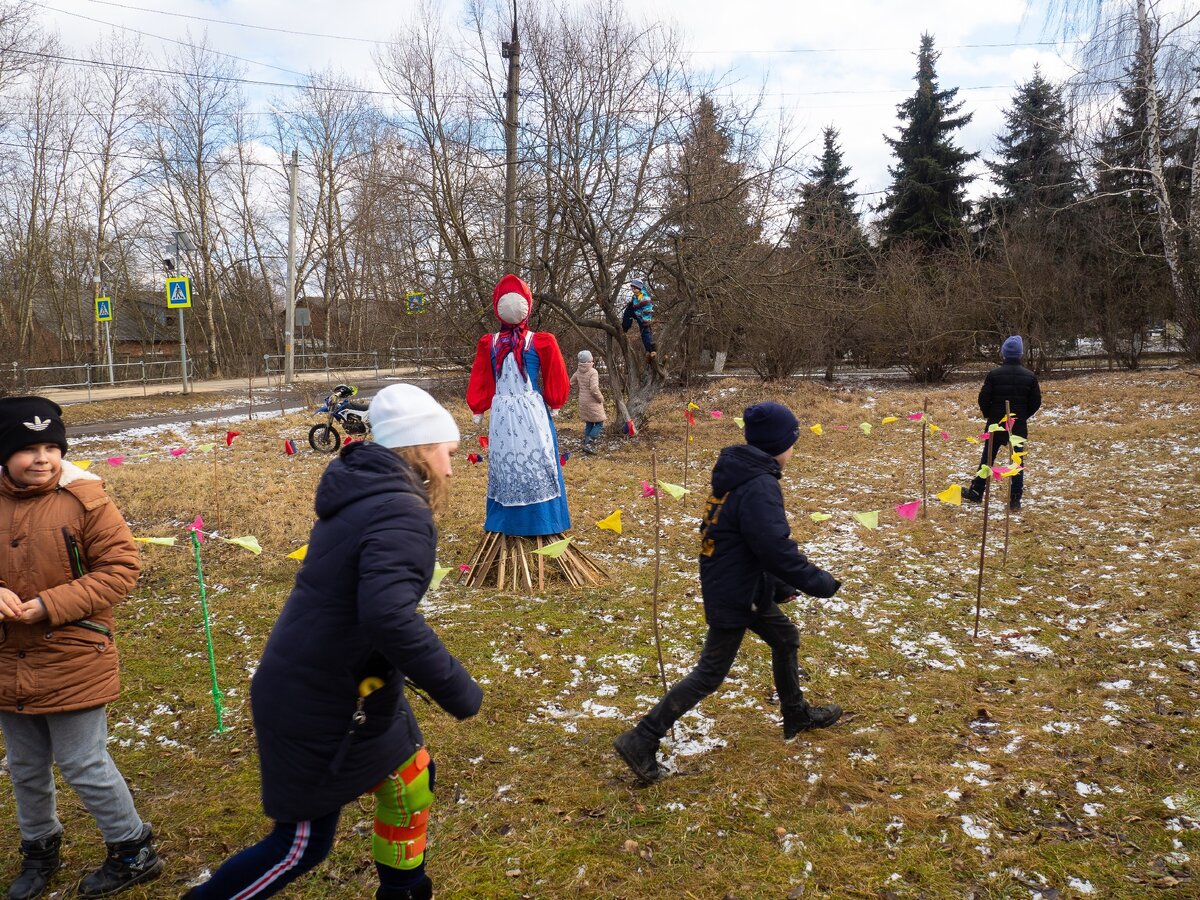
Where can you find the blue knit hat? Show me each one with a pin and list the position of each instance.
(1012, 348)
(770, 427)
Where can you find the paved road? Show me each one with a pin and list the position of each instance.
(266, 401)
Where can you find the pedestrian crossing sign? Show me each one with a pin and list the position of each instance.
(104, 311)
(414, 302)
(179, 293)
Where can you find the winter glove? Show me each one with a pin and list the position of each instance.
(477, 418)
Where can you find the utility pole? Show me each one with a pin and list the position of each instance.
(511, 50)
(289, 314)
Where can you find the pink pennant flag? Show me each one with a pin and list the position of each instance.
(691, 420)
(909, 510)
(463, 567)
(715, 413)
(1000, 471)
(229, 436)
(198, 527)
(116, 460)
(178, 451)
(1008, 423)
(648, 490)
(916, 417)
(985, 437)
(945, 436)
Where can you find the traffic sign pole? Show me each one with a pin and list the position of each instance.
(112, 378)
(183, 352)
(179, 296)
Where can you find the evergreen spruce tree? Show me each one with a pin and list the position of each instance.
(927, 200)
(1034, 173)
(828, 197)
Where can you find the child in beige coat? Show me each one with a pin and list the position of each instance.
(591, 401)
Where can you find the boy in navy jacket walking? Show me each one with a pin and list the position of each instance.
(748, 566)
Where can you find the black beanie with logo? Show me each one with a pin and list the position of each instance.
(25, 421)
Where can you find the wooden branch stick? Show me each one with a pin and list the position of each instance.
(1008, 492)
(987, 495)
(924, 428)
(662, 671)
(687, 439)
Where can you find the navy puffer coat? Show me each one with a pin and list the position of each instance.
(353, 613)
(747, 555)
(1016, 384)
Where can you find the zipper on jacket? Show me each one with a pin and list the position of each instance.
(73, 554)
(92, 626)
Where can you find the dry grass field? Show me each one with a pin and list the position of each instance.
(1057, 755)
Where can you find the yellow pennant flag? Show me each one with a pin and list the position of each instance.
(692, 405)
(866, 427)
(555, 550)
(1009, 473)
(1017, 457)
(611, 523)
(984, 472)
(819, 517)
(299, 553)
(887, 420)
(83, 463)
(675, 490)
(246, 542)
(439, 572)
(972, 440)
(741, 423)
(869, 519)
(161, 542)
(952, 495)
(205, 448)
(817, 429)
(996, 427)
(933, 429)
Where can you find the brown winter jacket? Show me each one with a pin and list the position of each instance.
(591, 401)
(68, 544)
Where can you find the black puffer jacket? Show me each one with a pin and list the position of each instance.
(1016, 384)
(747, 556)
(353, 613)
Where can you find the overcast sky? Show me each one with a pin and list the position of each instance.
(846, 63)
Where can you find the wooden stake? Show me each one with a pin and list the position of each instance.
(1008, 492)
(662, 671)
(216, 486)
(924, 428)
(687, 439)
(987, 494)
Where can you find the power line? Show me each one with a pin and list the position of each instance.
(159, 37)
(745, 52)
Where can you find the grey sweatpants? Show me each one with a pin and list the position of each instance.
(77, 741)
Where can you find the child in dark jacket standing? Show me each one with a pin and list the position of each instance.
(328, 698)
(748, 566)
(66, 559)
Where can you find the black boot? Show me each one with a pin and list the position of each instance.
(128, 863)
(39, 862)
(640, 754)
(808, 718)
(423, 891)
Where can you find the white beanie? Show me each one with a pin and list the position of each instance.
(403, 415)
(585, 356)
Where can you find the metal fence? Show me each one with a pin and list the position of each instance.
(390, 362)
(92, 375)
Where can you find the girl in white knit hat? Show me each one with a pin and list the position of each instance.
(328, 698)
(591, 401)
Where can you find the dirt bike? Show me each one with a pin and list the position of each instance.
(339, 408)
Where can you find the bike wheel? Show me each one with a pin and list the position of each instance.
(324, 438)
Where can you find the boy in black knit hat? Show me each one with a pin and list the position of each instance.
(66, 559)
(748, 566)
